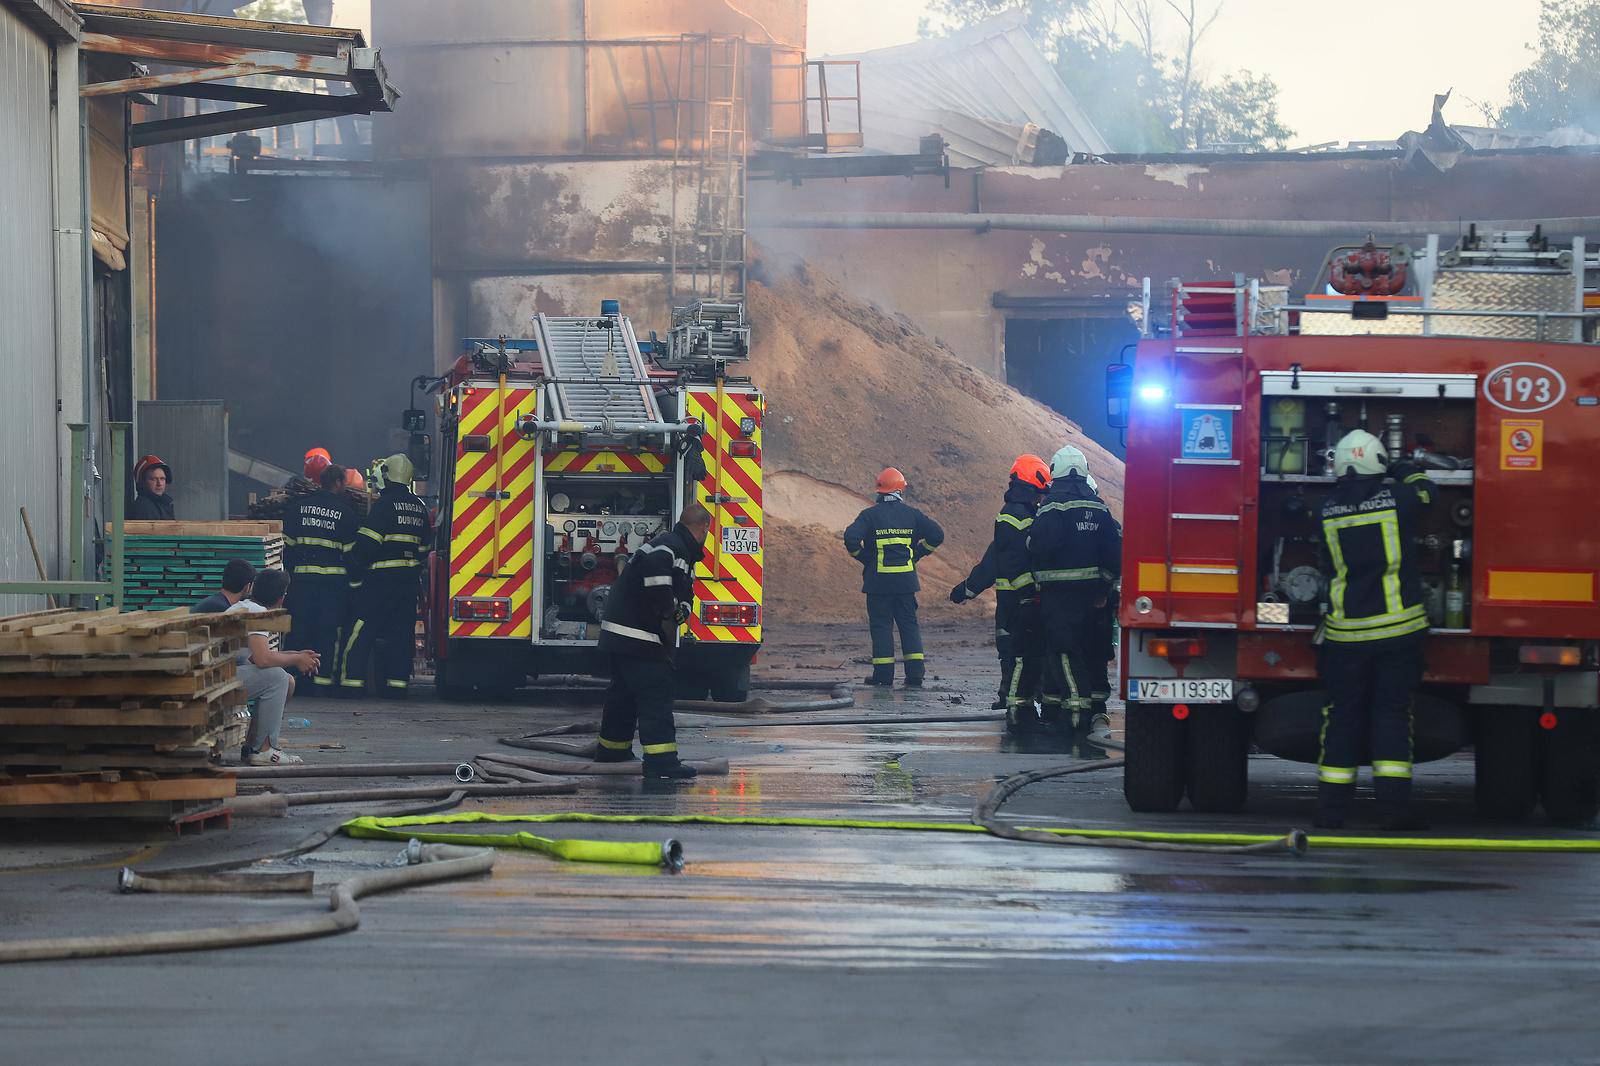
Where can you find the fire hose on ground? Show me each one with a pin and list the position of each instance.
(433, 863)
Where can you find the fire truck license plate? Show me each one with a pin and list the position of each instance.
(1179, 690)
(740, 540)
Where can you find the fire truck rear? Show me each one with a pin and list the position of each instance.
(1476, 361)
(561, 455)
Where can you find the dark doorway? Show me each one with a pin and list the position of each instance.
(1061, 362)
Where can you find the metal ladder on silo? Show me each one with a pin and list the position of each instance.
(709, 155)
(596, 371)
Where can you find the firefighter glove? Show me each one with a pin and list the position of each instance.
(959, 594)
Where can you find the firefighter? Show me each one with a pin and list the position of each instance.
(1017, 635)
(389, 548)
(318, 533)
(648, 605)
(151, 501)
(889, 539)
(1370, 642)
(1075, 551)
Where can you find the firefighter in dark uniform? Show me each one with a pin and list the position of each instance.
(1018, 638)
(639, 635)
(390, 545)
(1370, 650)
(1075, 550)
(318, 532)
(889, 539)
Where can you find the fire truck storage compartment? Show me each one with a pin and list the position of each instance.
(1427, 419)
(593, 525)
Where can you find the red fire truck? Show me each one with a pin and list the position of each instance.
(561, 455)
(1478, 362)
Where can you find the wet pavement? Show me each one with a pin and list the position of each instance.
(828, 945)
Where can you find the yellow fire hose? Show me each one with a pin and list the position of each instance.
(669, 853)
(372, 827)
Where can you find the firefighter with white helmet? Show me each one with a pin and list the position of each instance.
(390, 546)
(1370, 641)
(1075, 547)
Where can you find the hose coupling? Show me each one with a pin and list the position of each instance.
(1297, 842)
(466, 773)
(672, 856)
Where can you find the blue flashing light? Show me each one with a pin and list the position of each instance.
(610, 307)
(1152, 393)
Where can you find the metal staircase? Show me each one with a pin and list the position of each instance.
(596, 371)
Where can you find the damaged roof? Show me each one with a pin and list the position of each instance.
(979, 88)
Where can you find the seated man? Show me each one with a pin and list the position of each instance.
(236, 579)
(265, 673)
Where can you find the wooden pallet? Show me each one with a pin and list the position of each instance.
(110, 788)
(247, 528)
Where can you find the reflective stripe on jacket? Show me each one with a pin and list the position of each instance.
(1369, 527)
(889, 539)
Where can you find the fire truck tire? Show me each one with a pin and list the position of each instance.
(446, 687)
(1218, 758)
(1569, 788)
(1506, 762)
(1153, 762)
(731, 685)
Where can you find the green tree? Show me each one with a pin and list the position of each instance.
(1562, 86)
(273, 11)
(1142, 99)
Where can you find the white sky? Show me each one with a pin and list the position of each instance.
(1346, 72)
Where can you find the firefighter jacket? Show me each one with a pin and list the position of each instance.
(1074, 545)
(318, 532)
(889, 539)
(653, 597)
(1369, 527)
(1005, 563)
(393, 538)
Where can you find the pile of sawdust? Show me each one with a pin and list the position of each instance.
(852, 389)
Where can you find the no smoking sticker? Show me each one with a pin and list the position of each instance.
(1522, 444)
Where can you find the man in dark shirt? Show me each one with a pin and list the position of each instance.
(889, 539)
(237, 577)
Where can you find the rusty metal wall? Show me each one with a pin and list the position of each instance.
(950, 281)
(514, 78)
(28, 430)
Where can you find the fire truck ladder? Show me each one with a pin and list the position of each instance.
(597, 374)
(710, 150)
(1215, 319)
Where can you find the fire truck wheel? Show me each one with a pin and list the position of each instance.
(1506, 759)
(1153, 764)
(446, 687)
(1568, 787)
(1218, 752)
(731, 686)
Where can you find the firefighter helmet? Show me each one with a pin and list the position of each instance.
(148, 463)
(1070, 460)
(316, 461)
(397, 469)
(1031, 471)
(353, 480)
(1361, 454)
(891, 480)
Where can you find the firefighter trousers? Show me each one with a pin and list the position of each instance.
(1072, 679)
(384, 632)
(885, 614)
(640, 698)
(1019, 684)
(1005, 648)
(1370, 689)
(317, 605)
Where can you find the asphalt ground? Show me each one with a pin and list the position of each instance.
(802, 945)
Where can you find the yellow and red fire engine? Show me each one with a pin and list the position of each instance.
(561, 455)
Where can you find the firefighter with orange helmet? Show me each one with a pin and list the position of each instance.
(319, 530)
(1018, 636)
(151, 501)
(316, 461)
(889, 539)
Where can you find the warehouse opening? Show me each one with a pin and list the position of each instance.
(1061, 360)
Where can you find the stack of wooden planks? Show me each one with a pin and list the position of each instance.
(177, 564)
(120, 715)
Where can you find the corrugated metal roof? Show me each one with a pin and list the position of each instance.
(992, 75)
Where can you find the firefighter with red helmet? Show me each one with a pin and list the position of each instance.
(391, 544)
(151, 501)
(1369, 646)
(1018, 638)
(889, 539)
(319, 530)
